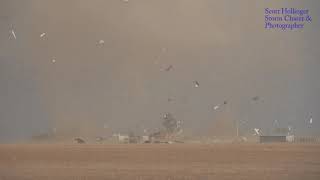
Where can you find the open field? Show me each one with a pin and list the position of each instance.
(160, 161)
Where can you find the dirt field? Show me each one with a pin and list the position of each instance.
(160, 161)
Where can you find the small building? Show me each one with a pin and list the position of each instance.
(273, 139)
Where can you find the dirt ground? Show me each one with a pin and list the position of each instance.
(160, 161)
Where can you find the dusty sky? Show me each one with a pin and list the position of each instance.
(122, 83)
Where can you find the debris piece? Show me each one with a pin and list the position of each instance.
(257, 131)
(101, 41)
(42, 35)
(170, 99)
(99, 139)
(225, 102)
(256, 98)
(216, 107)
(310, 121)
(170, 123)
(169, 68)
(79, 141)
(53, 60)
(244, 139)
(196, 84)
(14, 34)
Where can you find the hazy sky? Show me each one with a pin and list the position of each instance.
(122, 83)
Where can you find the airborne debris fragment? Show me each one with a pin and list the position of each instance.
(216, 107)
(53, 61)
(257, 131)
(14, 34)
(99, 139)
(79, 140)
(170, 99)
(196, 84)
(225, 102)
(42, 35)
(101, 42)
(256, 98)
(310, 121)
(170, 67)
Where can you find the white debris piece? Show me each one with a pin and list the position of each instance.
(14, 34)
(53, 61)
(310, 121)
(196, 84)
(42, 35)
(216, 107)
(101, 41)
(257, 131)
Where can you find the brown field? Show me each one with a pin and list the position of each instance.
(160, 161)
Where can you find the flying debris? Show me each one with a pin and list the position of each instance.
(169, 68)
(79, 140)
(310, 121)
(99, 139)
(257, 131)
(53, 61)
(170, 123)
(13, 34)
(216, 107)
(243, 122)
(289, 130)
(101, 42)
(42, 35)
(225, 102)
(196, 84)
(256, 98)
(170, 99)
